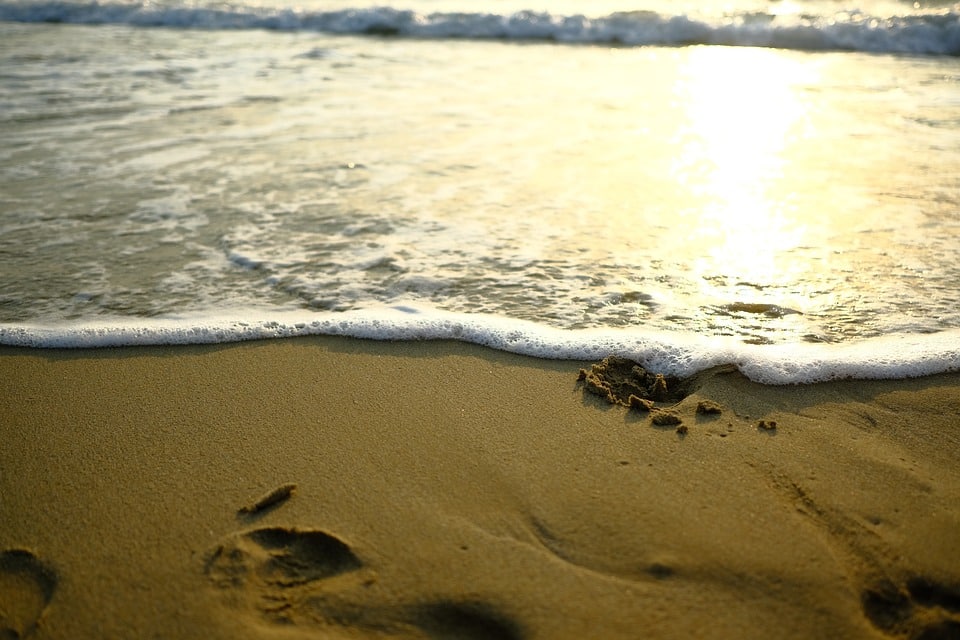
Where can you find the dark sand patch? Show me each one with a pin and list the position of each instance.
(464, 621)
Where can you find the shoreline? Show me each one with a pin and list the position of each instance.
(443, 489)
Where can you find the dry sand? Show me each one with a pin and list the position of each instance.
(444, 490)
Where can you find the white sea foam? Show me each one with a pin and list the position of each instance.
(892, 357)
(685, 207)
(931, 32)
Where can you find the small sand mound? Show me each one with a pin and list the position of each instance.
(624, 382)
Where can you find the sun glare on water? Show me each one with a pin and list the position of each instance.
(742, 111)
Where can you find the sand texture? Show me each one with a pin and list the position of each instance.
(335, 488)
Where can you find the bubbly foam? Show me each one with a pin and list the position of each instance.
(892, 357)
(931, 32)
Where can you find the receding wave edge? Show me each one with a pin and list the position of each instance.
(891, 357)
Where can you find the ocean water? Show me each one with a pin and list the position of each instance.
(774, 184)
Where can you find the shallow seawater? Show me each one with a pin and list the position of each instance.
(771, 196)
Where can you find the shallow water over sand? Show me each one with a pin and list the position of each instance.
(767, 195)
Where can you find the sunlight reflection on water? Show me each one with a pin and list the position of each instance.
(691, 189)
(744, 110)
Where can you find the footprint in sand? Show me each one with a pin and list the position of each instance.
(265, 566)
(922, 609)
(312, 578)
(26, 587)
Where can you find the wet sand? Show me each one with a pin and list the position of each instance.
(336, 488)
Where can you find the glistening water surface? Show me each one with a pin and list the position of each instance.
(767, 196)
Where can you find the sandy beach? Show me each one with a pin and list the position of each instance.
(337, 488)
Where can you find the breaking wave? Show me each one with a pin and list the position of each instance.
(930, 33)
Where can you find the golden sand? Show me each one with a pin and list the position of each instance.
(336, 488)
